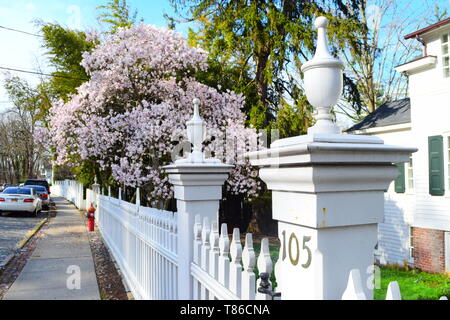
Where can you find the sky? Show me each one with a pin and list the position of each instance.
(23, 51)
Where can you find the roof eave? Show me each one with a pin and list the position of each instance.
(427, 29)
(418, 64)
(404, 126)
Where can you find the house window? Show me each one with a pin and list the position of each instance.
(446, 55)
(409, 173)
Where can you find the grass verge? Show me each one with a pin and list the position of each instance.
(414, 284)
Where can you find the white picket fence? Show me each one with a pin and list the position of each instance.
(215, 276)
(143, 241)
(91, 197)
(71, 190)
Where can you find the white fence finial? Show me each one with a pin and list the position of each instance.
(138, 196)
(235, 267)
(264, 265)
(236, 247)
(205, 231)
(214, 253)
(197, 228)
(224, 261)
(196, 133)
(354, 289)
(393, 291)
(214, 237)
(323, 81)
(120, 193)
(248, 277)
(264, 261)
(248, 255)
(224, 241)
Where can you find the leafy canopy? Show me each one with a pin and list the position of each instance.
(262, 44)
(116, 14)
(65, 50)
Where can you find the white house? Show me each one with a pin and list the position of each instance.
(416, 228)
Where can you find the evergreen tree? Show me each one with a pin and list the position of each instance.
(117, 15)
(267, 41)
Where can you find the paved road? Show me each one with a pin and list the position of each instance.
(13, 228)
(61, 267)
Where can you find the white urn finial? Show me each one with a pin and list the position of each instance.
(323, 81)
(196, 133)
(196, 103)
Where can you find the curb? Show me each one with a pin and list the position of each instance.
(30, 234)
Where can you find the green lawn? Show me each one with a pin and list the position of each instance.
(414, 285)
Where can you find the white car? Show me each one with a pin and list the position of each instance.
(42, 193)
(20, 200)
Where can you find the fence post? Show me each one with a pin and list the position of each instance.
(197, 185)
(138, 196)
(327, 192)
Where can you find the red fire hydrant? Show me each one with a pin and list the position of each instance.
(90, 214)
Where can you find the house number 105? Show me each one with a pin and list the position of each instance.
(294, 249)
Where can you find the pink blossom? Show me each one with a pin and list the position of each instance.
(137, 103)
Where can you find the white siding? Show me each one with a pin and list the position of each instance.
(429, 92)
(394, 232)
(430, 115)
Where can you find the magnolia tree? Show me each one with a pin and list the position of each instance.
(129, 116)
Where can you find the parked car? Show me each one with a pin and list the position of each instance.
(20, 199)
(4, 186)
(37, 182)
(42, 194)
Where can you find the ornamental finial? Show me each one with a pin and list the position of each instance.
(322, 51)
(323, 81)
(196, 132)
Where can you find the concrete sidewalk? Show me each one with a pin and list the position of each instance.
(61, 267)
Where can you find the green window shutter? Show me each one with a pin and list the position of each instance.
(436, 165)
(400, 181)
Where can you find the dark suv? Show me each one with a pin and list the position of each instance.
(34, 182)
